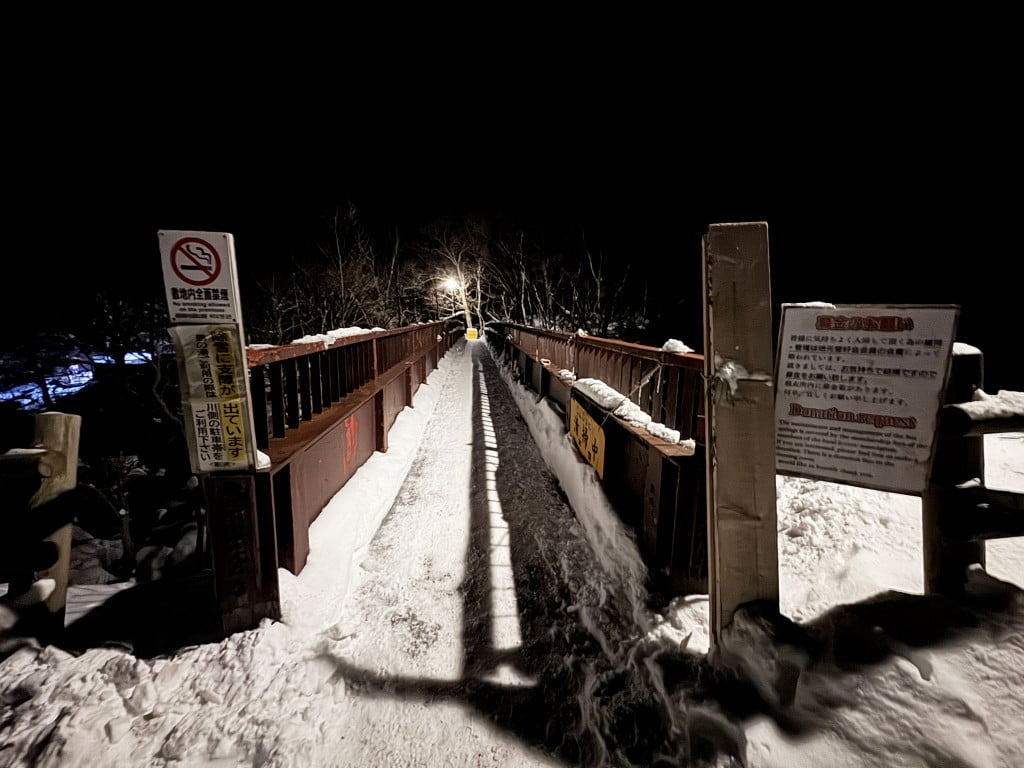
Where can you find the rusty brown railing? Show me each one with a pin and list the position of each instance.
(666, 385)
(320, 411)
(656, 486)
(292, 383)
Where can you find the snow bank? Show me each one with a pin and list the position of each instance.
(340, 535)
(612, 400)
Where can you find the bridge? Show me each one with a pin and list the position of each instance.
(323, 411)
(511, 595)
(638, 417)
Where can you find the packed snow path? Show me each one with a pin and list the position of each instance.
(483, 624)
(469, 617)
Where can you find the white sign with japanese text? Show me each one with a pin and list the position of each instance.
(214, 380)
(858, 391)
(199, 276)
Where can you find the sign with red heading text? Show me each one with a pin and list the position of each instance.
(858, 391)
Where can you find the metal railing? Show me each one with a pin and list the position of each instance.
(666, 385)
(320, 411)
(292, 383)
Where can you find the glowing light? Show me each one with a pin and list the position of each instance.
(505, 630)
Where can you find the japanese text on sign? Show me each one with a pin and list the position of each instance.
(216, 396)
(858, 392)
(588, 436)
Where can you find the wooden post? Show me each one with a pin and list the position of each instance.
(244, 552)
(743, 560)
(957, 460)
(59, 434)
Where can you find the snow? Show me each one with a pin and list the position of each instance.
(327, 339)
(674, 345)
(1002, 405)
(612, 400)
(461, 607)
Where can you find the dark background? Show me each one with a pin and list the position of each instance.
(885, 174)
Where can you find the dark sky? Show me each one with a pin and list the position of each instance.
(870, 195)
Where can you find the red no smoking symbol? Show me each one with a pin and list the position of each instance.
(195, 261)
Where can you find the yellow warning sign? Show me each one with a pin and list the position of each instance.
(588, 436)
(216, 396)
(471, 333)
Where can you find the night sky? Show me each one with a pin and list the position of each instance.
(869, 197)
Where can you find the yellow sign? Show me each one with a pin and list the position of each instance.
(216, 400)
(471, 333)
(588, 436)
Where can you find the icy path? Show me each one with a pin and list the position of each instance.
(482, 626)
(487, 623)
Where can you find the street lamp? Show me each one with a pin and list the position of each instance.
(451, 285)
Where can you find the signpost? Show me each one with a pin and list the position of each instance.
(206, 325)
(743, 559)
(206, 317)
(858, 391)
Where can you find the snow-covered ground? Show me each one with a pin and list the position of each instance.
(470, 599)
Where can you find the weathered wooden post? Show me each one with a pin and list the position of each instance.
(59, 434)
(743, 560)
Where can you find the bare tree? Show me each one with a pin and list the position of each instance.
(43, 358)
(461, 253)
(351, 277)
(367, 286)
(533, 284)
(340, 280)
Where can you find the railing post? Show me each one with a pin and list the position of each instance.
(378, 420)
(291, 393)
(957, 460)
(278, 422)
(258, 387)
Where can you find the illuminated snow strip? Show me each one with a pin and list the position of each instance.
(505, 634)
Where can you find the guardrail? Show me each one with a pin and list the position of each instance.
(959, 514)
(321, 410)
(666, 385)
(657, 486)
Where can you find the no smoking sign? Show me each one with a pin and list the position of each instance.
(195, 261)
(199, 276)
